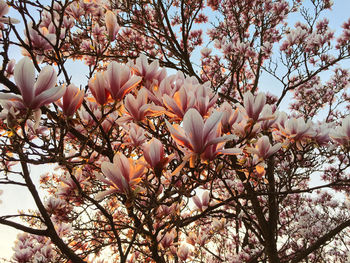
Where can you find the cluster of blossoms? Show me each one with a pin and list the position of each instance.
(32, 248)
(160, 167)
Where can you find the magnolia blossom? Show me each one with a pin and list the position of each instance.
(183, 252)
(179, 103)
(199, 238)
(203, 203)
(43, 40)
(10, 69)
(23, 255)
(33, 130)
(111, 25)
(190, 95)
(167, 239)
(72, 99)
(254, 105)
(8, 113)
(68, 187)
(53, 204)
(34, 93)
(136, 135)
(4, 9)
(205, 52)
(198, 136)
(154, 153)
(63, 229)
(342, 134)
(229, 116)
(263, 148)
(120, 80)
(98, 88)
(268, 117)
(168, 86)
(121, 175)
(138, 108)
(322, 135)
(297, 129)
(218, 224)
(149, 72)
(33, 248)
(204, 98)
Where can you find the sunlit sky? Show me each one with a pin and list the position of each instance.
(15, 198)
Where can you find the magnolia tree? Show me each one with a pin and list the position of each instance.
(169, 150)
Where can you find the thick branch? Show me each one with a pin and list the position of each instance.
(39, 232)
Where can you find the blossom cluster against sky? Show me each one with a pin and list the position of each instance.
(15, 197)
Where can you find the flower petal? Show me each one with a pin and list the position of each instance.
(178, 135)
(46, 80)
(211, 125)
(101, 195)
(25, 78)
(193, 125)
(123, 165)
(48, 96)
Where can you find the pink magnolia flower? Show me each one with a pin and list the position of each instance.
(342, 134)
(33, 130)
(10, 68)
(75, 10)
(9, 112)
(98, 87)
(167, 239)
(218, 224)
(190, 95)
(153, 152)
(322, 136)
(4, 9)
(63, 229)
(85, 116)
(34, 93)
(168, 86)
(98, 34)
(68, 187)
(138, 108)
(110, 121)
(136, 135)
(53, 204)
(229, 116)
(42, 40)
(72, 99)
(122, 175)
(268, 117)
(111, 25)
(199, 238)
(183, 252)
(263, 148)
(165, 210)
(149, 72)
(120, 80)
(23, 255)
(254, 104)
(205, 52)
(179, 103)
(204, 98)
(203, 203)
(297, 129)
(199, 136)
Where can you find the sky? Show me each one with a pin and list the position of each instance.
(15, 198)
